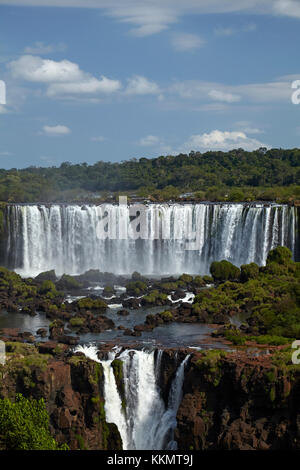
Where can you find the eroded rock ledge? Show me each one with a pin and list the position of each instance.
(231, 400)
(72, 387)
(237, 401)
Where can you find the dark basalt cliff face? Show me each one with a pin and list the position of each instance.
(72, 388)
(231, 400)
(239, 402)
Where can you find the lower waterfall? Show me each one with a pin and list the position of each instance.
(145, 423)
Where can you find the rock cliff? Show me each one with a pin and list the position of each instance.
(72, 387)
(235, 401)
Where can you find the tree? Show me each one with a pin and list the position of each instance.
(24, 425)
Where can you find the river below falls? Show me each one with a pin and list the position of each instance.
(168, 335)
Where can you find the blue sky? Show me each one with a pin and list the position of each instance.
(110, 80)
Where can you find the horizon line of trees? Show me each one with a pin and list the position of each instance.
(193, 172)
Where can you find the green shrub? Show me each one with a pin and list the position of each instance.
(280, 255)
(47, 286)
(208, 279)
(136, 276)
(236, 195)
(249, 271)
(167, 315)
(76, 321)
(224, 271)
(68, 282)
(235, 338)
(187, 278)
(24, 425)
(90, 304)
(271, 340)
(153, 297)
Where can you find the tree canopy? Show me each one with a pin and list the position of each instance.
(24, 425)
(195, 172)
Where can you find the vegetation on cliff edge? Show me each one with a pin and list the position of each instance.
(24, 425)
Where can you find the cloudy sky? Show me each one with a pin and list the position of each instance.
(90, 80)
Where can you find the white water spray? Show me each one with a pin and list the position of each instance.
(64, 238)
(146, 423)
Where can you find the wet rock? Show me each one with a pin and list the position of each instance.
(52, 347)
(11, 307)
(108, 291)
(70, 340)
(178, 294)
(56, 329)
(27, 336)
(133, 304)
(123, 312)
(46, 276)
(13, 332)
(143, 327)
(128, 332)
(68, 283)
(153, 320)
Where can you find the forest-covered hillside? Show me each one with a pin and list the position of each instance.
(235, 175)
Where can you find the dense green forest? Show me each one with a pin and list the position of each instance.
(235, 175)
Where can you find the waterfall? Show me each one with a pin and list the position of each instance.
(156, 239)
(146, 423)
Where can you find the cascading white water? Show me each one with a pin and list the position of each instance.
(168, 239)
(145, 423)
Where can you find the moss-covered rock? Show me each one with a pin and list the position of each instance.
(117, 366)
(91, 304)
(76, 321)
(46, 276)
(222, 271)
(167, 316)
(68, 283)
(249, 271)
(155, 298)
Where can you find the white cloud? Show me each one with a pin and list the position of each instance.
(270, 92)
(221, 31)
(219, 95)
(63, 77)
(186, 42)
(56, 130)
(139, 85)
(151, 17)
(229, 31)
(149, 140)
(146, 18)
(212, 107)
(36, 69)
(221, 140)
(287, 7)
(40, 48)
(98, 138)
(247, 128)
(156, 144)
(89, 86)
